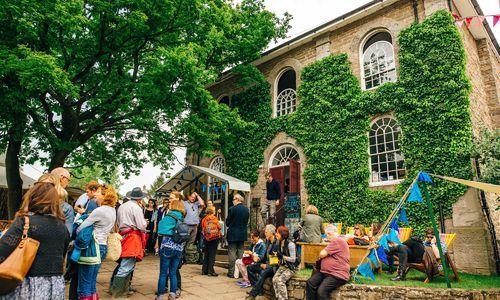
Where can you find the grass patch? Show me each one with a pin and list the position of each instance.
(415, 279)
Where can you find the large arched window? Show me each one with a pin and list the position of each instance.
(218, 164)
(378, 60)
(386, 159)
(215, 189)
(286, 96)
(283, 155)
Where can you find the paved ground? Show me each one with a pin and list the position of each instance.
(194, 285)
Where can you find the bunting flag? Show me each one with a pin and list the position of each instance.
(224, 187)
(495, 20)
(403, 218)
(196, 181)
(216, 189)
(468, 20)
(382, 256)
(487, 187)
(383, 242)
(203, 187)
(424, 177)
(480, 19)
(393, 237)
(394, 225)
(366, 271)
(415, 194)
(459, 23)
(373, 258)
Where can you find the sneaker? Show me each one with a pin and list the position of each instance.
(245, 285)
(178, 293)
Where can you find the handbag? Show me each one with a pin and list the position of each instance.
(114, 246)
(17, 265)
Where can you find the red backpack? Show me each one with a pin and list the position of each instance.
(211, 231)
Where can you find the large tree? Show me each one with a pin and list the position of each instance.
(118, 82)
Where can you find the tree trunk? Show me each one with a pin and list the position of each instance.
(58, 158)
(14, 181)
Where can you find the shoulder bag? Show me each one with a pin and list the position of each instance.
(17, 265)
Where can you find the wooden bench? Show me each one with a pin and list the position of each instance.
(310, 253)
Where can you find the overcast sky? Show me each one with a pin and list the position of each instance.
(307, 14)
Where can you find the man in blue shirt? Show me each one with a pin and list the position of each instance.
(273, 196)
(192, 219)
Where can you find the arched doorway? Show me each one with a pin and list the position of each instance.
(284, 166)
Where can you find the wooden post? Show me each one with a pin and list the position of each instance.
(436, 234)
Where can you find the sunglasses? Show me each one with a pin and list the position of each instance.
(357, 228)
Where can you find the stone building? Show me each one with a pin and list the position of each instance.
(367, 31)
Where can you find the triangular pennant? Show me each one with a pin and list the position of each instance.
(455, 16)
(495, 20)
(382, 256)
(394, 225)
(203, 187)
(373, 258)
(415, 194)
(223, 187)
(459, 23)
(424, 177)
(383, 242)
(366, 271)
(216, 189)
(192, 173)
(468, 20)
(480, 19)
(403, 218)
(393, 237)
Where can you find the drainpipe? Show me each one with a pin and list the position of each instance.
(415, 10)
(449, 5)
(489, 222)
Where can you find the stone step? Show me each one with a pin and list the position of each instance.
(223, 258)
(222, 264)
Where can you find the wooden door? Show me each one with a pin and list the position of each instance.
(294, 176)
(278, 174)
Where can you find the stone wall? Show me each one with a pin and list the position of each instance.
(296, 291)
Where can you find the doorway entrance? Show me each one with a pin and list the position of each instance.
(285, 168)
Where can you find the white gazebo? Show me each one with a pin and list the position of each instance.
(27, 181)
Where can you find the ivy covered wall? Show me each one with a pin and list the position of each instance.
(429, 100)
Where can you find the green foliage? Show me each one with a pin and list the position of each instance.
(81, 176)
(429, 100)
(116, 82)
(486, 149)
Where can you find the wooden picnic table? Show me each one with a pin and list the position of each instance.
(310, 253)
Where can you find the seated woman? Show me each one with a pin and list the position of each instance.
(288, 263)
(312, 226)
(334, 271)
(254, 255)
(359, 237)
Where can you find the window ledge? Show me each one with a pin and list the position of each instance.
(384, 183)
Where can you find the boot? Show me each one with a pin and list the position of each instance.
(401, 276)
(120, 286)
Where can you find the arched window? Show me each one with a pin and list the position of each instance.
(215, 190)
(224, 100)
(286, 99)
(218, 164)
(386, 159)
(378, 60)
(283, 155)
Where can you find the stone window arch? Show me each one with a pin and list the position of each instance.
(386, 158)
(378, 63)
(218, 164)
(282, 156)
(286, 92)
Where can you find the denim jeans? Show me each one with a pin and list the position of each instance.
(87, 275)
(169, 262)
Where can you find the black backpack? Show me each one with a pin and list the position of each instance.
(181, 231)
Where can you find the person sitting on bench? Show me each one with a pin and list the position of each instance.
(412, 251)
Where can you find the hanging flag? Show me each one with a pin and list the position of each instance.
(480, 19)
(424, 177)
(382, 256)
(196, 181)
(459, 23)
(495, 20)
(203, 187)
(468, 20)
(366, 271)
(216, 189)
(182, 176)
(224, 187)
(394, 225)
(403, 218)
(415, 194)
(193, 174)
(383, 242)
(373, 258)
(393, 237)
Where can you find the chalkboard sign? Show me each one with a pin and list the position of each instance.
(292, 211)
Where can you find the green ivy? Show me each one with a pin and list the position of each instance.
(429, 100)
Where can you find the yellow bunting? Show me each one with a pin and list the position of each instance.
(487, 187)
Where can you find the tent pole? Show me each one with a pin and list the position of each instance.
(436, 234)
(226, 201)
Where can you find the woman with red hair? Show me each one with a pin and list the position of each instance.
(288, 262)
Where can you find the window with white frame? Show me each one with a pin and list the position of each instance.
(215, 187)
(378, 60)
(386, 159)
(283, 155)
(286, 99)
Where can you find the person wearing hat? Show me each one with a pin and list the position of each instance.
(132, 226)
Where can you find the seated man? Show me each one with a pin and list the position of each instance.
(258, 272)
(334, 270)
(412, 251)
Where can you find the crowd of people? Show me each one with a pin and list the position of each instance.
(74, 240)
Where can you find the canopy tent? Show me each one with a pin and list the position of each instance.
(191, 176)
(27, 181)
